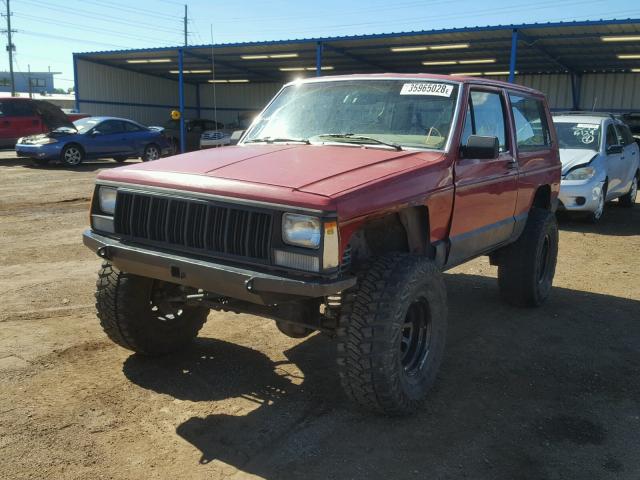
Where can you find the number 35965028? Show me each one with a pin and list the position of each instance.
(427, 88)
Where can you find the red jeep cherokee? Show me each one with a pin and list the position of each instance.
(337, 212)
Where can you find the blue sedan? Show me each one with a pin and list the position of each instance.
(95, 137)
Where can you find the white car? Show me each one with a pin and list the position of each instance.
(214, 138)
(600, 162)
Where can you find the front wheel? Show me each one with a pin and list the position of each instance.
(72, 155)
(151, 152)
(527, 266)
(391, 334)
(145, 315)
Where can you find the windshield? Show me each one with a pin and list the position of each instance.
(407, 113)
(584, 136)
(85, 124)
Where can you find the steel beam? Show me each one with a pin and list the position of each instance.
(181, 98)
(514, 54)
(319, 48)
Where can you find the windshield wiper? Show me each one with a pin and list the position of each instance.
(353, 136)
(276, 140)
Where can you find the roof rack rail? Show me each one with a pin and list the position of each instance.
(585, 113)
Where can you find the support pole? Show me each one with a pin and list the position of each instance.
(576, 85)
(181, 98)
(76, 91)
(319, 59)
(198, 100)
(514, 53)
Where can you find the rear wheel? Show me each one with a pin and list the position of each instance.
(391, 335)
(629, 199)
(151, 152)
(143, 315)
(72, 155)
(527, 266)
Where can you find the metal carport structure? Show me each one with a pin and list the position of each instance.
(579, 65)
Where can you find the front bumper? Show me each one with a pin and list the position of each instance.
(580, 196)
(48, 151)
(225, 280)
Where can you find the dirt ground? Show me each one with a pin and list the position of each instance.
(552, 393)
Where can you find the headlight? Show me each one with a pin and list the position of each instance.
(45, 141)
(107, 199)
(583, 173)
(301, 230)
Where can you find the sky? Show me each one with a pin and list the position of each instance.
(49, 31)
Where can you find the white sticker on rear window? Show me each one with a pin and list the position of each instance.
(588, 125)
(425, 88)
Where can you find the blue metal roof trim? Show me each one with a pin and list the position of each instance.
(576, 23)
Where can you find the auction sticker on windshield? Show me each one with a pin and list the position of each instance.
(424, 88)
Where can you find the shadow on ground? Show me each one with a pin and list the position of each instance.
(539, 394)
(86, 166)
(616, 220)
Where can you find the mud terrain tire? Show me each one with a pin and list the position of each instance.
(134, 319)
(527, 266)
(391, 334)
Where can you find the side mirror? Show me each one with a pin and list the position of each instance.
(613, 149)
(484, 148)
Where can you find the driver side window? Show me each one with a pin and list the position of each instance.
(612, 136)
(485, 117)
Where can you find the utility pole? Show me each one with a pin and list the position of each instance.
(186, 31)
(10, 48)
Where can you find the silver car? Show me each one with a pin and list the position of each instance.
(600, 162)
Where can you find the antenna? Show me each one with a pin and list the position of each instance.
(213, 80)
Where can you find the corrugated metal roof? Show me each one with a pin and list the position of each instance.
(542, 48)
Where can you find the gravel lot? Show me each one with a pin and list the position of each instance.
(552, 393)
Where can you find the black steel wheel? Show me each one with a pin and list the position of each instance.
(392, 333)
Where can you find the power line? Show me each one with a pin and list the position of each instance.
(86, 28)
(102, 17)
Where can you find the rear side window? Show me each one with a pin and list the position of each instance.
(485, 116)
(131, 127)
(532, 130)
(21, 109)
(110, 126)
(624, 135)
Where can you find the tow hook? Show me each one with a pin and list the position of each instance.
(104, 252)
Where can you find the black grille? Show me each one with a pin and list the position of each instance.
(194, 225)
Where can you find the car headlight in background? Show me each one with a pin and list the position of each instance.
(581, 173)
(301, 230)
(107, 199)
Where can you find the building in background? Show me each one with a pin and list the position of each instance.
(41, 82)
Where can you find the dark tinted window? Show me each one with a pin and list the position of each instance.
(131, 127)
(110, 126)
(624, 135)
(532, 131)
(612, 136)
(20, 109)
(485, 116)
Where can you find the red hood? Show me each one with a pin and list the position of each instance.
(280, 173)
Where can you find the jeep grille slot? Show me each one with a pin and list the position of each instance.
(194, 225)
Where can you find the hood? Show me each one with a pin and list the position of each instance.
(52, 116)
(319, 170)
(572, 157)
